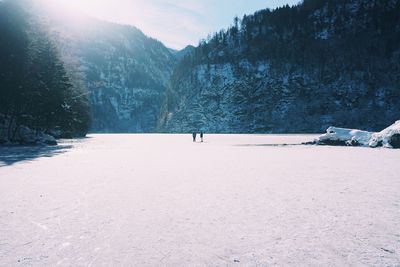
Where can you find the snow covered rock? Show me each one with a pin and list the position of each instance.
(389, 137)
(25, 136)
(31, 137)
(344, 137)
(46, 139)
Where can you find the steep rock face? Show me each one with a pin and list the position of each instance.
(294, 69)
(125, 72)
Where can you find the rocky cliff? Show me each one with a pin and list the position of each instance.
(293, 69)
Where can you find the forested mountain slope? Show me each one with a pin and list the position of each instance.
(293, 69)
(38, 93)
(125, 71)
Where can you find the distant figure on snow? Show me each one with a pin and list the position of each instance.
(194, 136)
(202, 136)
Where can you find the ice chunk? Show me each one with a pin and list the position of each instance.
(389, 137)
(344, 137)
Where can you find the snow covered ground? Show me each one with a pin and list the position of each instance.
(161, 200)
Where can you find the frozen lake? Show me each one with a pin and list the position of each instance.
(236, 200)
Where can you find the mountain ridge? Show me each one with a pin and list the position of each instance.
(292, 69)
(126, 72)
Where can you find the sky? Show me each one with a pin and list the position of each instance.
(176, 23)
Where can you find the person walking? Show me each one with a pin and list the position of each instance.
(194, 136)
(202, 136)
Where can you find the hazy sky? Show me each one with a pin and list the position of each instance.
(176, 23)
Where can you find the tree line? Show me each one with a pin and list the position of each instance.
(37, 90)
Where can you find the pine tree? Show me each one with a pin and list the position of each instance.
(36, 90)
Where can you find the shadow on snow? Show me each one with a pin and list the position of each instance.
(11, 155)
(269, 145)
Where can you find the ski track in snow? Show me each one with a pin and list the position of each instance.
(236, 200)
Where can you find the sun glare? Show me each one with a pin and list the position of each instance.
(119, 11)
(81, 6)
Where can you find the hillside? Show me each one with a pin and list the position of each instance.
(293, 69)
(40, 96)
(125, 71)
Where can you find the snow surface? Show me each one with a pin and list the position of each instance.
(161, 200)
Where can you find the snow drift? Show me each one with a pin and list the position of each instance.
(389, 137)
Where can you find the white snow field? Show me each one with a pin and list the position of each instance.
(236, 200)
